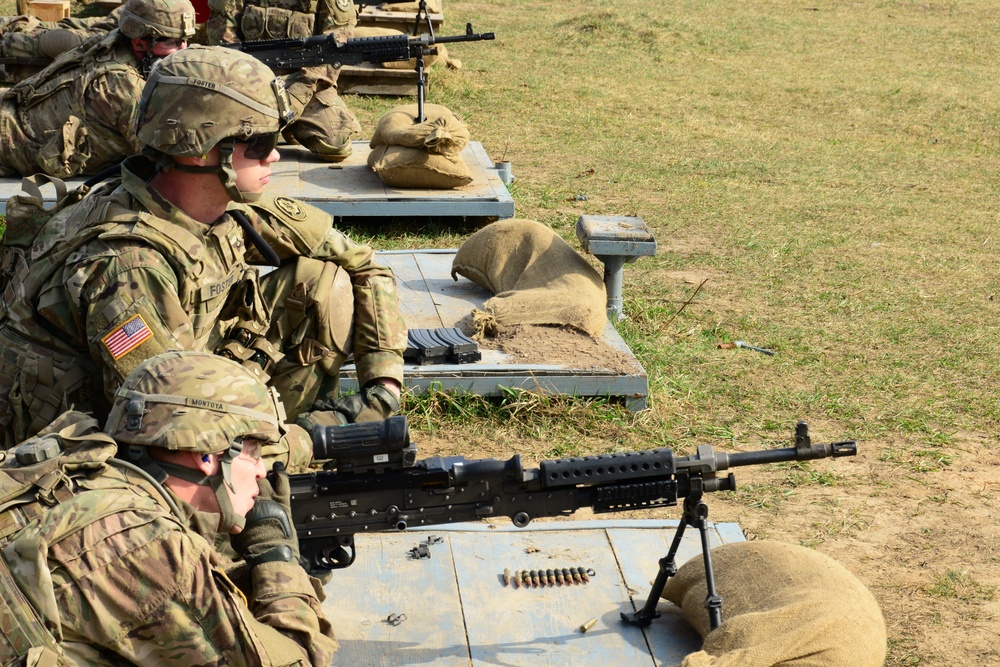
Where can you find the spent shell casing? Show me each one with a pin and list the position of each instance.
(506, 576)
(551, 577)
(588, 625)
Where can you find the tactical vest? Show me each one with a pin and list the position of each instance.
(107, 216)
(78, 67)
(63, 368)
(50, 487)
(50, 109)
(283, 19)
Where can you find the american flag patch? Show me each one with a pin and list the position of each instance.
(127, 337)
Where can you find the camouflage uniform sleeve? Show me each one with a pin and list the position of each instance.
(293, 228)
(130, 289)
(222, 25)
(111, 110)
(141, 586)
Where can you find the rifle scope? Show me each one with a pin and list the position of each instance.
(366, 447)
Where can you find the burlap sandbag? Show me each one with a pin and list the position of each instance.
(442, 132)
(535, 276)
(782, 606)
(433, 7)
(403, 167)
(429, 60)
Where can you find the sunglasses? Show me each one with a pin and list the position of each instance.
(172, 42)
(260, 146)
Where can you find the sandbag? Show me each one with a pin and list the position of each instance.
(433, 7)
(442, 132)
(783, 605)
(535, 276)
(403, 167)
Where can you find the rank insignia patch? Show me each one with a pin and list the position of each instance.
(127, 337)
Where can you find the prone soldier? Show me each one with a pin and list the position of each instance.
(107, 565)
(166, 259)
(77, 115)
(322, 123)
(27, 44)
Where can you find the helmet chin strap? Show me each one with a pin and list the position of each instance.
(227, 173)
(221, 483)
(224, 170)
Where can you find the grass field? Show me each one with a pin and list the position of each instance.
(821, 179)
(828, 170)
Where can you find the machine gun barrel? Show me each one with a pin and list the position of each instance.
(372, 481)
(288, 54)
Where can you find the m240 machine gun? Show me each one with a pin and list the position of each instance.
(291, 54)
(372, 481)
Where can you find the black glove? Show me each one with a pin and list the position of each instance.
(269, 534)
(375, 403)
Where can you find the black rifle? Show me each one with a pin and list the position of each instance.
(290, 54)
(371, 481)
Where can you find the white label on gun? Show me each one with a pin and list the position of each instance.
(381, 458)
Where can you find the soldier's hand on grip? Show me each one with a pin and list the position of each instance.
(269, 534)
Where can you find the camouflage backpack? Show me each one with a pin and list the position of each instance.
(26, 217)
(39, 506)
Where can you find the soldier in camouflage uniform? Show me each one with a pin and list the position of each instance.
(77, 115)
(164, 260)
(322, 123)
(28, 44)
(99, 563)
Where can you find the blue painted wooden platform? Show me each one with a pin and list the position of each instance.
(351, 190)
(459, 612)
(430, 299)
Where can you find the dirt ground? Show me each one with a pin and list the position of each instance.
(925, 545)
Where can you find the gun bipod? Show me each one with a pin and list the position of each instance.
(696, 515)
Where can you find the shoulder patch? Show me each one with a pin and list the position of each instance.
(343, 5)
(126, 337)
(290, 207)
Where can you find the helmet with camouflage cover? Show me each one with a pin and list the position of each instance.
(157, 18)
(197, 402)
(207, 96)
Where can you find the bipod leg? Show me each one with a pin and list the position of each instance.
(713, 601)
(422, 10)
(668, 568)
(421, 82)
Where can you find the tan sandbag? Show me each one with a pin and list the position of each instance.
(403, 167)
(371, 31)
(535, 276)
(442, 132)
(783, 605)
(433, 7)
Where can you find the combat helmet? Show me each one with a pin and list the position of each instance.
(207, 96)
(198, 402)
(157, 18)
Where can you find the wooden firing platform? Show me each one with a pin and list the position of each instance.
(430, 299)
(459, 613)
(351, 190)
(376, 16)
